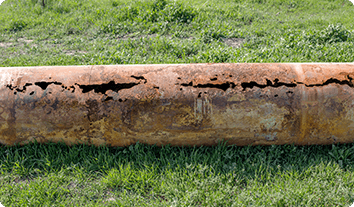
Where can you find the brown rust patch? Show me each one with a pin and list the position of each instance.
(195, 104)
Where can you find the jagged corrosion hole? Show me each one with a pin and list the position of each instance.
(139, 78)
(104, 87)
(332, 80)
(11, 87)
(44, 85)
(223, 86)
(269, 84)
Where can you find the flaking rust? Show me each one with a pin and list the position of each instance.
(187, 104)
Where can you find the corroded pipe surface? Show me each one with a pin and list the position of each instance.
(195, 104)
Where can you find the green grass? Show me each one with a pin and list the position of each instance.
(78, 32)
(83, 32)
(140, 175)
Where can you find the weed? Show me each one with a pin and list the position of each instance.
(332, 34)
(211, 35)
(16, 25)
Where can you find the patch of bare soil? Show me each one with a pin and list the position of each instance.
(5, 44)
(233, 42)
(25, 40)
(20, 42)
(109, 197)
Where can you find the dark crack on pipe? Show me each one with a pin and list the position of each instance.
(11, 87)
(44, 85)
(104, 87)
(333, 80)
(187, 84)
(72, 87)
(223, 86)
(276, 84)
(139, 78)
(97, 88)
(291, 85)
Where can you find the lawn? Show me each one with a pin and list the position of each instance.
(140, 175)
(86, 32)
(77, 32)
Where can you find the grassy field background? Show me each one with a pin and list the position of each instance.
(76, 32)
(82, 32)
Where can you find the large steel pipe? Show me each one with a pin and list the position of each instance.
(188, 104)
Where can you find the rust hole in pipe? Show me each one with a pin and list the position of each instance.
(44, 85)
(11, 87)
(223, 86)
(103, 88)
(291, 85)
(139, 78)
(269, 84)
(333, 80)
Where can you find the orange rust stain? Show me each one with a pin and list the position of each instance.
(195, 104)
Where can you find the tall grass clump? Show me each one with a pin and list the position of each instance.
(156, 16)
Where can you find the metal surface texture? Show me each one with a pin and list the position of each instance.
(180, 105)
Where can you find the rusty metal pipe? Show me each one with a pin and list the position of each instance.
(188, 104)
